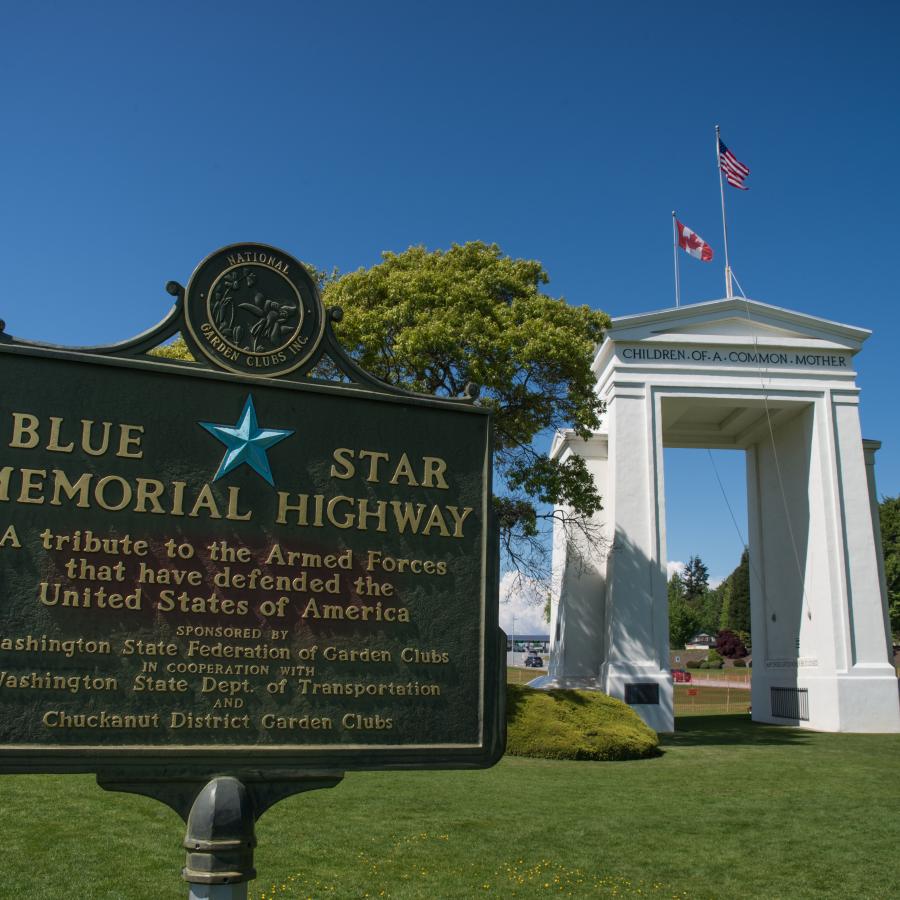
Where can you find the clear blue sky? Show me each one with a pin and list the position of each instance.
(139, 137)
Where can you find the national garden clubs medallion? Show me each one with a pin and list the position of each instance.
(253, 310)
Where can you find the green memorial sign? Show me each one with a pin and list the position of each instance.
(206, 569)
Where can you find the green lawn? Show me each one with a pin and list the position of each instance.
(517, 675)
(730, 809)
(698, 699)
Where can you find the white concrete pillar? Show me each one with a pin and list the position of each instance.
(819, 641)
(578, 585)
(577, 626)
(637, 610)
(865, 694)
(789, 570)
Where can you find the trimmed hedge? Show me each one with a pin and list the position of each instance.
(575, 725)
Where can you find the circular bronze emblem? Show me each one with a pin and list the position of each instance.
(253, 309)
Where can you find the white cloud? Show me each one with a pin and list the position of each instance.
(522, 598)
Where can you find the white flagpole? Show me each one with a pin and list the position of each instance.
(728, 290)
(675, 257)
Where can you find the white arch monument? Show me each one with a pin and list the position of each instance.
(780, 386)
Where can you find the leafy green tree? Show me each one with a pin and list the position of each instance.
(695, 591)
(676, 590)
(889, 513)
(683, 623)
(693, 602)
(709, 609)
(176, 350)
(437, 321)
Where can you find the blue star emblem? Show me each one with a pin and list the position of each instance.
(246, 443)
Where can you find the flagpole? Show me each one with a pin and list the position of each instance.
(728, 290)
(675, 257)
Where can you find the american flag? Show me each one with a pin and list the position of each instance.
(735, 171)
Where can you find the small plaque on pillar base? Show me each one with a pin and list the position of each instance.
(646, 693)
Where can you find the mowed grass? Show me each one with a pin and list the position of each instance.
(729, 809)
(698, 699)
(519, 675)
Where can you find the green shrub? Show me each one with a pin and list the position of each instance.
(740, 664)
(714, 658)
(694, 664)
(703, 664)
(575, 725)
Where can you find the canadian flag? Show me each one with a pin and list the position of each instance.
(693, 243)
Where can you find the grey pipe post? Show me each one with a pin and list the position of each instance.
(219, 841)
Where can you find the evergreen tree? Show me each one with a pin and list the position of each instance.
(725, 610)
(695, 579)
(735, 612)
(889, 513)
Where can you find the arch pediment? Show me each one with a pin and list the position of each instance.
(733, 326)
(724, 321)
(734, 330)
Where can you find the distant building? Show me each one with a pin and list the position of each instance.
(539, 643)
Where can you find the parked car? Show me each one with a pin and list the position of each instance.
(534, 662)
(681, 676)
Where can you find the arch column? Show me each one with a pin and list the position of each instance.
(578, 584)
(636, 668)
(820, 636)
